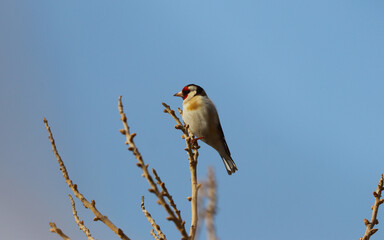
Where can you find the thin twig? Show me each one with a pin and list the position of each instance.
(77, 220)
(159, 234)
(165, 193)
(375, 208)
(73, 187)
(193, 155)
(58, 231)
(180, 224)
(154, 235)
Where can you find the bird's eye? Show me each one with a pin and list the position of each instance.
(186, 90)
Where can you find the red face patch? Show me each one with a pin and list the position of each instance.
(185, 92)
(185, 89)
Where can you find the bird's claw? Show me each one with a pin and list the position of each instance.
(194, 143)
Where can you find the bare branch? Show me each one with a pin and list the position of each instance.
(167, 195)
(152, 222)
(375, 208)
(58, 231)
(144, 167)
(73, 187)
(193, 155)
(77, 220)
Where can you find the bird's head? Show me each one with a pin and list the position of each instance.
(190, 91)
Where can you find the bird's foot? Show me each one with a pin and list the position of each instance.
(194, 142)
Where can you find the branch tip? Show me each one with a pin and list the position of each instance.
(58, 231)
(375, 207)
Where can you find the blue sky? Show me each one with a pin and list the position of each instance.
(298, 86)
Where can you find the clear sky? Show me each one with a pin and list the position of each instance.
(298, 86)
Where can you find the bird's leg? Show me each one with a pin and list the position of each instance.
(195, 139)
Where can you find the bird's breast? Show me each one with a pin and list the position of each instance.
(194, 104)
(200, 114)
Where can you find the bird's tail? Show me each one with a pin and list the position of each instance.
(229, 164)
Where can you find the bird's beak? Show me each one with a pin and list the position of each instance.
(179, 94)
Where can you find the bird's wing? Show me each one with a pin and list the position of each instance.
(222, 137)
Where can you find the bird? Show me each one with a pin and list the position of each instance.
(200, 114)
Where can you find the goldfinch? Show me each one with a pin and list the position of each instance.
(200, 114)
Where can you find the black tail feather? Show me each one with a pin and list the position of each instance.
(229, 164)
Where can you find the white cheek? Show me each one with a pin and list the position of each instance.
(189, 96)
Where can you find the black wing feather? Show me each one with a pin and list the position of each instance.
(223, 137)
